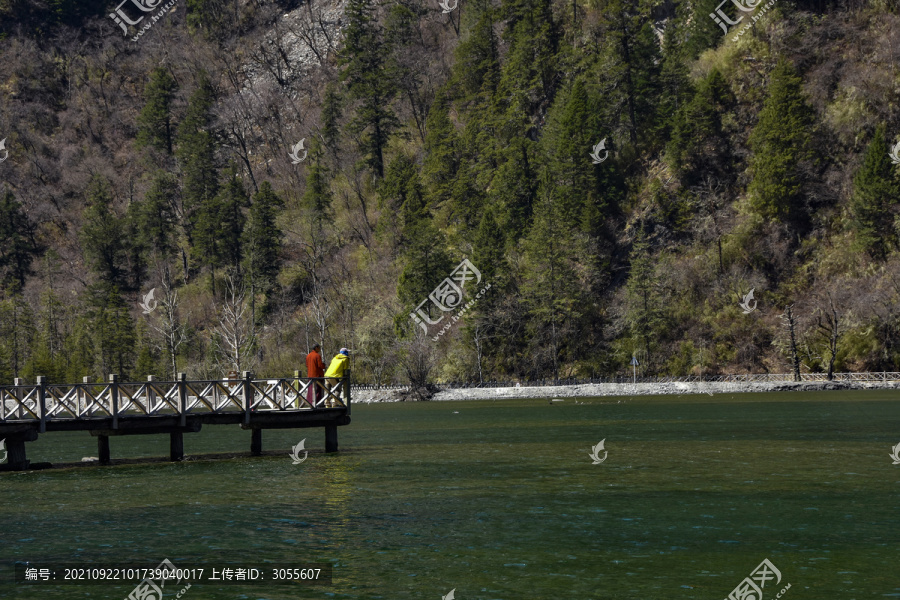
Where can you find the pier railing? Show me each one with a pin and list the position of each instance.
(114, 399)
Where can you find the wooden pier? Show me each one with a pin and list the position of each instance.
(173, 407)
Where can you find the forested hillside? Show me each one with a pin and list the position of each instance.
(168, 159)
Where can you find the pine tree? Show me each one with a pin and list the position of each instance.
(702, 31)
(425, 264)
(631, 67)
(49, 355)
(549, 286)
(317, 197)
(488, 246)
(18, 245)
(529, 76)
(220, 225)
(112, 331)
(155, 217)
(699, 146)
(262, 241)
(876, 191)
(17, 333)
(155, 119)
(103, 236)
(331, 115)
(196, 155)
(476, 70)
(780, 143)
(364, 62)
(441, 153)
(571, 134)
(514, 188)
(644, 316)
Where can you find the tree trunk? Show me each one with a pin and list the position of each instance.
(792, 325)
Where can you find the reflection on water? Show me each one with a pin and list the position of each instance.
(496, 500)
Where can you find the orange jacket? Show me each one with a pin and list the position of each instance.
(315, 366)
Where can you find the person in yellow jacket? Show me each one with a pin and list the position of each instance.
(335, 371)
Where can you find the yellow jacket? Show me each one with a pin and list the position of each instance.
(337, 367)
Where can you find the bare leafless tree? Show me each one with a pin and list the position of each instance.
(235, 335)
(829, 327)
(790, 324)
(418, 357)
(171, 332)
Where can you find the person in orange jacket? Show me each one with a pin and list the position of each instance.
(315, 368)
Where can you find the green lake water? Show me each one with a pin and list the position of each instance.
(495, 499)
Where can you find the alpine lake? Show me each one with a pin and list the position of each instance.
(490, 499)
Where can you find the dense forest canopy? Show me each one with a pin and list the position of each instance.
(206, 185)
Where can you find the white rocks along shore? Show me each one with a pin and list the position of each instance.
(624, 389)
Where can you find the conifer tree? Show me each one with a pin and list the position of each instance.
(699, 146)
(18, 246)
(364, 62)
(155, 119)
(702, 31)
(476, 70)
(644, 316)
(331, 115)
(262, 242)
(549, 286)
(220, 224)
(571, 134)
(17, 334)
(402, 193)
(529, 76)
(196, 155)
(317, 197)
(47, 345)
(425, 264)
(876, 193)
(441, 154)
(103, 236)
(155, 217)
(514, 188)
(780, 143)
(488, 246)
(631, 66)
(112, 331)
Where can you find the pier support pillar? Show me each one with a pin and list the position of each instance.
(176, 446)
(256, 441)
(15, 453)
(103, 449)
(331, 443)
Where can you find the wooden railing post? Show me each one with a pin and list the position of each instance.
(42, 401)
(19, 411)
(150, 395)
(82, 397)
(297, 387)
(247, 389)
(182, 398)
(347, 390)
(114, 399)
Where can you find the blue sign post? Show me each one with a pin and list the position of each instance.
(634, 366)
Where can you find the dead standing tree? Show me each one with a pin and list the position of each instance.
(790, 324)
(169, 329)
(829, 328)
(418, 357)
(235, 336)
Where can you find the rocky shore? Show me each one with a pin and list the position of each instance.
(621, 389)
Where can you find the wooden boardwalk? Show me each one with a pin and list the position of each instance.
(174, 407)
